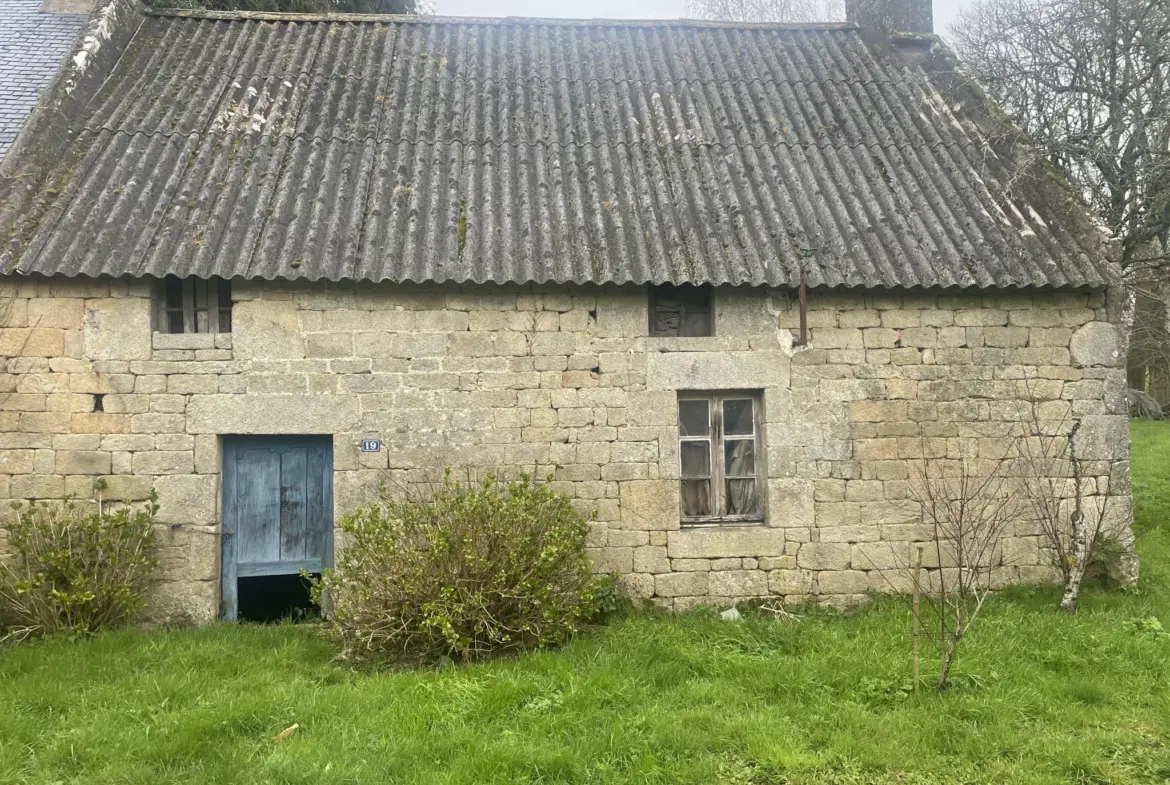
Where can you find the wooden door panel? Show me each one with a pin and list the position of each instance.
(319, 502)
(277, 508)
(294, 520)
(258, 522)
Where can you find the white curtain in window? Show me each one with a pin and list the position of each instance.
(696, 498)
(741, 494)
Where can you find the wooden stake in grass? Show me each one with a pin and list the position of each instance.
(916, 566)
(284, 734)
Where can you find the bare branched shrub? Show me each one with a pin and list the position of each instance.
(1070, 504)
(74, 570)
(969, 508)
(465, 571)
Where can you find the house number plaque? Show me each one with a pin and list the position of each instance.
(371, 445)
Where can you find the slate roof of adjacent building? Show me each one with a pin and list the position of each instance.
(395, 148)
(32, 45)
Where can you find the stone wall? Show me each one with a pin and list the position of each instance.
(562, 380)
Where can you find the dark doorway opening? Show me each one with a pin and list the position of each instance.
(274, 598)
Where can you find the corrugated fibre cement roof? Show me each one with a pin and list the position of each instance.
(397, 148)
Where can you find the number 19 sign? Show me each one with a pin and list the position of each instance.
(371, 445)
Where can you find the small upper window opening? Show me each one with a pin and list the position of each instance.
(680, 311)
(196, 305)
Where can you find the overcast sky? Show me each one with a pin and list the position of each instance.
(944, 10)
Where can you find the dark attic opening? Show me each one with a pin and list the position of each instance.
(274, 598)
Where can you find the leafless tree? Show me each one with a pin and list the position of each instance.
(1149, 349)
(766, 10)
(969, 508)
(1089, 82)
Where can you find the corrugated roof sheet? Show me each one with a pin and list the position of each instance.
(518, 151)
(32, 45)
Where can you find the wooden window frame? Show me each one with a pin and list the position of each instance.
(193, 289)
(716, 439)
(657, 292)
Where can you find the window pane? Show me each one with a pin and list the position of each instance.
(225, 320)
(174, 321)
(696, 498)
(693, 418)
(696, 324)
(225, 293)
(665, 322)
(200, 288)
(740, 458)
(696, 459)
(201, 321)
(737, 417)
(173, 294)
(742, 498)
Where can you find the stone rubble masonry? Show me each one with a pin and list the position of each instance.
(562, 381)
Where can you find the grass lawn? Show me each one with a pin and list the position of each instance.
(690, 699)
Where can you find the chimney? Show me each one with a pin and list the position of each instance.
(67, 6)
(887, 17)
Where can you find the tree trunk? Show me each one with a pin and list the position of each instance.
(1072, 586)
(1121, 304)
(1081, 546)
(950, 652)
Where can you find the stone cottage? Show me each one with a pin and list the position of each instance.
(725, 283)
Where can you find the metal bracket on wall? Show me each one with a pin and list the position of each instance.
(803, 297)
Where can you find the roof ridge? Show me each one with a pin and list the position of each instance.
(269, 16)
(636, 81)
(941, 144)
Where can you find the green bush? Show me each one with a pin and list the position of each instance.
(68, 570)
(475, 570)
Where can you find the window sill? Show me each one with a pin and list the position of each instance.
(711, 523)
(703, 343)
(191, 340)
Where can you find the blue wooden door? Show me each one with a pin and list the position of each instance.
(277, 508)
